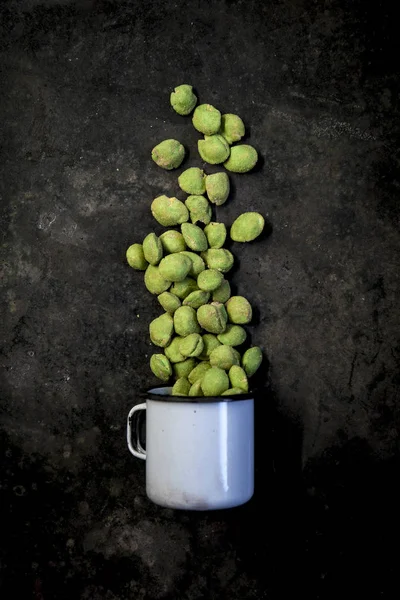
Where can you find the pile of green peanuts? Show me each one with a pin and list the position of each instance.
(220, 133)
(202, 323)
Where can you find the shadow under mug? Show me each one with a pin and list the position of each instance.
(199, 451)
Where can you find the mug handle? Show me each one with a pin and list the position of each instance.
(133, 424)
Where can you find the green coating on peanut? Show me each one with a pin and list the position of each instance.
(183, 100)
(215, 234)
(161, 330)
(182, 289)
(239, 310)
(232, 128)
(212, 317)
(135, 257)
(213, 150)
(154, 281)
(198, 264)
(169, 211)
(218, 187)
(175, 267)
(210, 342)
(192, 181)
(169, 302)
(238, 378)
(183, 368)
(218, 258)
(192, 345)
(242, 159)
(251, 360)
(209, 280)
(237, 354)
(172, 241)
(161, 367)
(196, 390)
(152, 249)
(223, 357)
(168, 154)
(214, 382)
(172, 351)
(199, 209)
(222, 293)
(232, 392)
(196, 299)
(194, 237)
(181, 387)
(198, 372)
(234, 335)
(185, 321)
(247, 227)
(206, 119)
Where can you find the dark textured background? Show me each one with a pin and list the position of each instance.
(83, 99)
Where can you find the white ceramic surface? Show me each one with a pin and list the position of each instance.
(199, 455)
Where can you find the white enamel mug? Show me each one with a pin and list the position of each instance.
(199, 451)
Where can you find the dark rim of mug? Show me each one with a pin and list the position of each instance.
(150, 395)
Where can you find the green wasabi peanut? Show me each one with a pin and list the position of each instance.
(218, 258)
(206, 119)
(215, 234)
(182, 369)
(196, 299)
(223, 357)
(213, 150)
(192, 181)
(215, 382)
(198, 372)
(210, 342)
(160, 366)
(222, 293)
(154, 281)
(232, 128)
(239, 310)
(232, 392)
(185, 321)
(169, 302)
(196, 390)
(198, 264)
(172, 241)
(169, 154)
(247, 227)
(212, 317)
(169, 211)
(199, 209)
(238, 378)
(183, 100)
(217, 188)
(194, 237)
(234, 335)
(175, 267)
(209, 280)
(191, 346)
(152, 249)
(251, 360)
(182, 289)
(181, 387)
(172, 351)
(135, 257)
(242, 159)
(161, 330)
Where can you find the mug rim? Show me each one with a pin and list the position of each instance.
(151, 394)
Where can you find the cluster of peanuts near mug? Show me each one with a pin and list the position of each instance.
(202, 324)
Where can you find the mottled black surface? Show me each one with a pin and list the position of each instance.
(83, 99)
